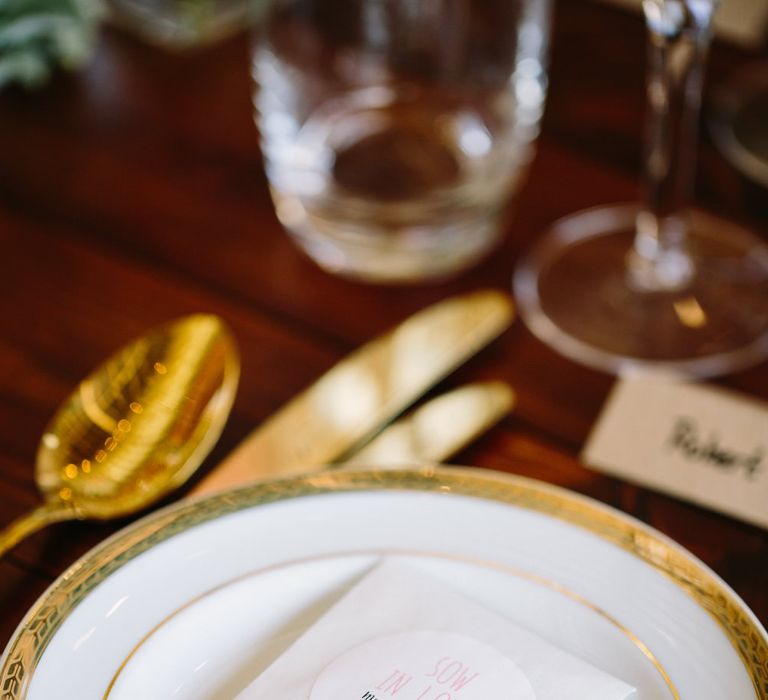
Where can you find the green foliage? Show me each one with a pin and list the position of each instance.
(37, 35)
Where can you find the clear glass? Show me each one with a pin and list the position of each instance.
(739, 120)
(654, 286)
(393, 131)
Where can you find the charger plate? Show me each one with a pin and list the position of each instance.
(195, 600)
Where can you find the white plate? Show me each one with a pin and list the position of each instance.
(195, 600)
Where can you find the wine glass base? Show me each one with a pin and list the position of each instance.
(575, 294)
(739, 121)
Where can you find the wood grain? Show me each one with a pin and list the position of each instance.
(133, 192)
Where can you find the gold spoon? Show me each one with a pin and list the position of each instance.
(136, 428)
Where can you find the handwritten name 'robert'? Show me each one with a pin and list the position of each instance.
(687, 439)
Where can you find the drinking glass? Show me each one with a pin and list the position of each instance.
(654, 285)
(739, 121)
(394, 131)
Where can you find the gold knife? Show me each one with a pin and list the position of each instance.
(365, 390)
(437, 429)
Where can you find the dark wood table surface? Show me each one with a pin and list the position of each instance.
(132, 192)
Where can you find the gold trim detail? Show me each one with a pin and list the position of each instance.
(46, 616)
(496, 566)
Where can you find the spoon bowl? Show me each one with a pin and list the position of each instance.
(137, 427)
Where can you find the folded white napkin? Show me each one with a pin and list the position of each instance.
(402, 634)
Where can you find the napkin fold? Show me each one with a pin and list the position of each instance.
(402, 634)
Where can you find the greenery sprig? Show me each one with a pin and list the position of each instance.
(37, 35)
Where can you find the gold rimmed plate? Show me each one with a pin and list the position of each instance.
(195, 600)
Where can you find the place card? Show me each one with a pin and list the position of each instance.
(699, 442)
(400, 633)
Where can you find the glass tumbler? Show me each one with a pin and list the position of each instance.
(395, 131)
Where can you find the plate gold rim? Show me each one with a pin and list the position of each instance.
(38, 627)
(522, 574)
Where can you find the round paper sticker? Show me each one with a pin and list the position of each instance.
(422, 665)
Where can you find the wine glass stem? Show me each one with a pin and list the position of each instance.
(679, 34)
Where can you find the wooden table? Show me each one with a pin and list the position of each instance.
(133, 192)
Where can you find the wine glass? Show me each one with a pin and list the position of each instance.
(654, 285)
(739, 121)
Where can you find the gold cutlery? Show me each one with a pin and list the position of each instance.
(347, 405)
(136, 428)
(142, 422)
(437, 429)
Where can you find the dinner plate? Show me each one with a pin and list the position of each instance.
(194, 601)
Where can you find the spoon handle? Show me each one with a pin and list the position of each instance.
(31, 522)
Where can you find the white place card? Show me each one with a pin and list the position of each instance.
(699, 442)
(404, 635)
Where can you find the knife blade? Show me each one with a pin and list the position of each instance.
(437, 429)
(365, 390)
